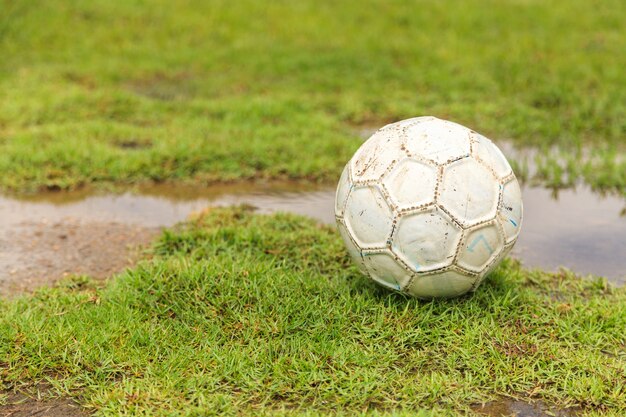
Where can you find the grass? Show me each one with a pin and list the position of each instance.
(237, 313)
(117, 92)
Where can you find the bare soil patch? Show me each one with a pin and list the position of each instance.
(515, 408)
(41, 253)
(38, 402)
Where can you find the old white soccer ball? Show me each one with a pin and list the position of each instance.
(428, 207)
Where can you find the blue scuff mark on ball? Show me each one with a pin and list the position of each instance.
(513, 222)
(475, 242)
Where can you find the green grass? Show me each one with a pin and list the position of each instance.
(123, 91)
(264, 315)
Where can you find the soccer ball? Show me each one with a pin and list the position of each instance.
(428, 207)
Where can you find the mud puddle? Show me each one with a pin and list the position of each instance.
(578, 229)
(48, 236)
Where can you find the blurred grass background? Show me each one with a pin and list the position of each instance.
(206, 91)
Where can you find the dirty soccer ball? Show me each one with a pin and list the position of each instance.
(428, 207)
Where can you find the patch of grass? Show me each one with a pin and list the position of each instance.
(265, 315)
(120, 91)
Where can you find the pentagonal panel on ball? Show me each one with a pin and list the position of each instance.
(490, 155)
(383, 268)
(368, 217)
(343, 189)
(426, 240)
(469, 192)
(411, 183)
(375, 156)
(446, 284)
(510, 211)
(480, 247)
(438, 140)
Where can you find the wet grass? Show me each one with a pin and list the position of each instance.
(245, 314)
(116, 92)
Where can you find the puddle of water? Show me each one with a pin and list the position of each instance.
(577, 229)
(165, 205)
(513, 408)
(46, 236)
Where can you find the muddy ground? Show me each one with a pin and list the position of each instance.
(38, 402)
(507, 407)
(39, 253)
